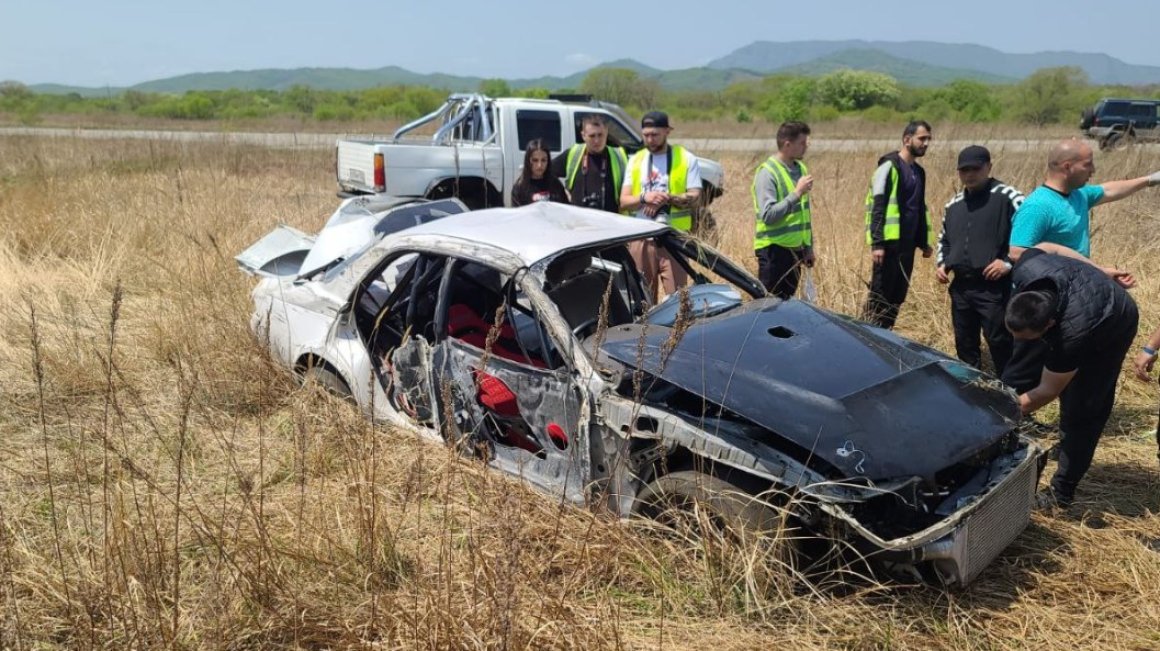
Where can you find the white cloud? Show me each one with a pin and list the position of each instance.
(581, 60)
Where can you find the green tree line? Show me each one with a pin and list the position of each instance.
(1050, 95)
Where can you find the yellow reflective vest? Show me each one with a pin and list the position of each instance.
(891, 230)
(616, 157)
(679, 218)
(795, 231)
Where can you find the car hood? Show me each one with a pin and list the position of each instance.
(867, 402)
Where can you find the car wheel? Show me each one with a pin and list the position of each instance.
(692, 502)
(1117, 141)
(1087, 118)
(1124, 141)
(327, 380)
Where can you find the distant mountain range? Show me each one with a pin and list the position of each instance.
(918, 63)
(767, 57)
(907, 71)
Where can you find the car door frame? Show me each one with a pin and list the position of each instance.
(545, 396)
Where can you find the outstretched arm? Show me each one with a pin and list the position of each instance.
(1016, 252)
(1116, 190)
(1123, 278)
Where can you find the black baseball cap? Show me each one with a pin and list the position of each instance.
(974, 156)
(655, 119)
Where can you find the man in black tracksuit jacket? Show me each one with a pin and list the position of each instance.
(1088, 322)
(973, 249)
(897, 223)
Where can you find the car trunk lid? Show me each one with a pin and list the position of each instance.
(277, 254)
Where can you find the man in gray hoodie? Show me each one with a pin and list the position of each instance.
(784, 237)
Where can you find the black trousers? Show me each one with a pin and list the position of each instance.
(981, 304)
(889, 284)
(779, 269)
(1086, 403)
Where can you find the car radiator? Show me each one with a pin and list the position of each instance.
(989, 530)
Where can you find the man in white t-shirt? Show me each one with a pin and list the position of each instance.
(662, 183)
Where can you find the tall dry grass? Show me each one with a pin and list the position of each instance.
(164, 486)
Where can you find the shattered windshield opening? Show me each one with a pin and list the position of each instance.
(602, 287)
(716, 284)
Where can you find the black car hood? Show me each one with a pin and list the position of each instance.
(862, 399)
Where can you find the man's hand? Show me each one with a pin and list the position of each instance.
(804, 185)
(940, 272)
(656, 198)
(1143, 364)
(1123, 278)
(927, 251)
(1051, 384)
(877, 256)
(996, 270)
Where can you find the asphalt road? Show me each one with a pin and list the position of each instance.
(327, 140)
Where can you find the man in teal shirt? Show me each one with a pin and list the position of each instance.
(1055, 218)
(1058, 218)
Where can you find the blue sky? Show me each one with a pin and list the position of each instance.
(122, 42)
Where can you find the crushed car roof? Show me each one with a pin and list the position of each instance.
(540, 230)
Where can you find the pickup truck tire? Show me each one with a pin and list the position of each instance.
(474, 192)
(704, 224)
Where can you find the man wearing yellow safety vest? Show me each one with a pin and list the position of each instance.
(663, 183)
(897, 223)
(592, 171)
(781, 202)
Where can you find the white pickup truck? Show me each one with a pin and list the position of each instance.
(476, 149)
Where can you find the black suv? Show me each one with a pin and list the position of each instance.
(1117, 123)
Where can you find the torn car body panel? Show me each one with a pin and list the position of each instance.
(540, 416)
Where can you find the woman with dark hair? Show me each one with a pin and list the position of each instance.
(535, 182)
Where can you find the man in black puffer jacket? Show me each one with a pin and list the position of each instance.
(1088, 322)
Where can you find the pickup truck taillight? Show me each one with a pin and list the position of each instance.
(380, 174)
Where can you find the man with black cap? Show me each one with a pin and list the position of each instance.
(662, 183)
(973, 249)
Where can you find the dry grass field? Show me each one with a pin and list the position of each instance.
(161, 485)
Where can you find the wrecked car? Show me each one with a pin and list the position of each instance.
(524, 336)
